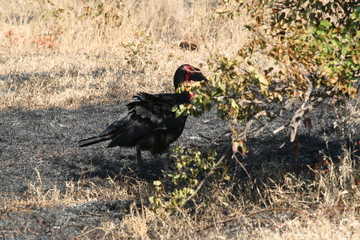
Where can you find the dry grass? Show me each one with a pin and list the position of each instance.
(326, 207)
(70, 53)
(86, 55)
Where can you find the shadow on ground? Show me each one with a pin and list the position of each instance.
(41, 145)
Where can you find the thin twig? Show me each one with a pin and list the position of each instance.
(242, 166)
(303, 215)
(296, 119)
(244, 134)
(207, 138)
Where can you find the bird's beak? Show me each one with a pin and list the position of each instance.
(198, 76)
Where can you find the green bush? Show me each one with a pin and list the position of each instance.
(307, 45)
(192, 169)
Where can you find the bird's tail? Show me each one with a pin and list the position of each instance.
(93, 140)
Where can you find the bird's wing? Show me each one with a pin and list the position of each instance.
(109, 133)
(158, 109)
(116, 126)
(147, 113)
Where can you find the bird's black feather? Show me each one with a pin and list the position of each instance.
(150, 123)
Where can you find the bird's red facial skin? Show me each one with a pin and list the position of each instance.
(189, 68)
(189, 71)
(192, 95)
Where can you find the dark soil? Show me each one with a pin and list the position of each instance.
(43, 143)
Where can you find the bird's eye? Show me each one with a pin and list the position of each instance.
(190, 69)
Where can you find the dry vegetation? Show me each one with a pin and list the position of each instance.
(70, 53)
(75, 52)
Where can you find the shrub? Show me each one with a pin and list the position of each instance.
(306, 46)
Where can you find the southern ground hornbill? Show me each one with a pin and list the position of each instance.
(150, 123)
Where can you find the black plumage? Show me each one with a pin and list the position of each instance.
(150, 123)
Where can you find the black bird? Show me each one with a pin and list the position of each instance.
(150, 123)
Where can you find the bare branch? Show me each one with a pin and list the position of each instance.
(299, 114)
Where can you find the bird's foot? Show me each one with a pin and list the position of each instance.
(162, 164)
(140, 170)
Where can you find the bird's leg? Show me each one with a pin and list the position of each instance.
(139, 159)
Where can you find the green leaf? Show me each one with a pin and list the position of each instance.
(325, 23)
(178, 165)
(157, 183)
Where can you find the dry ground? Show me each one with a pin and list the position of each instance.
(67, 68)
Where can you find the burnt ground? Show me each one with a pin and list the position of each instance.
(43, 143)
